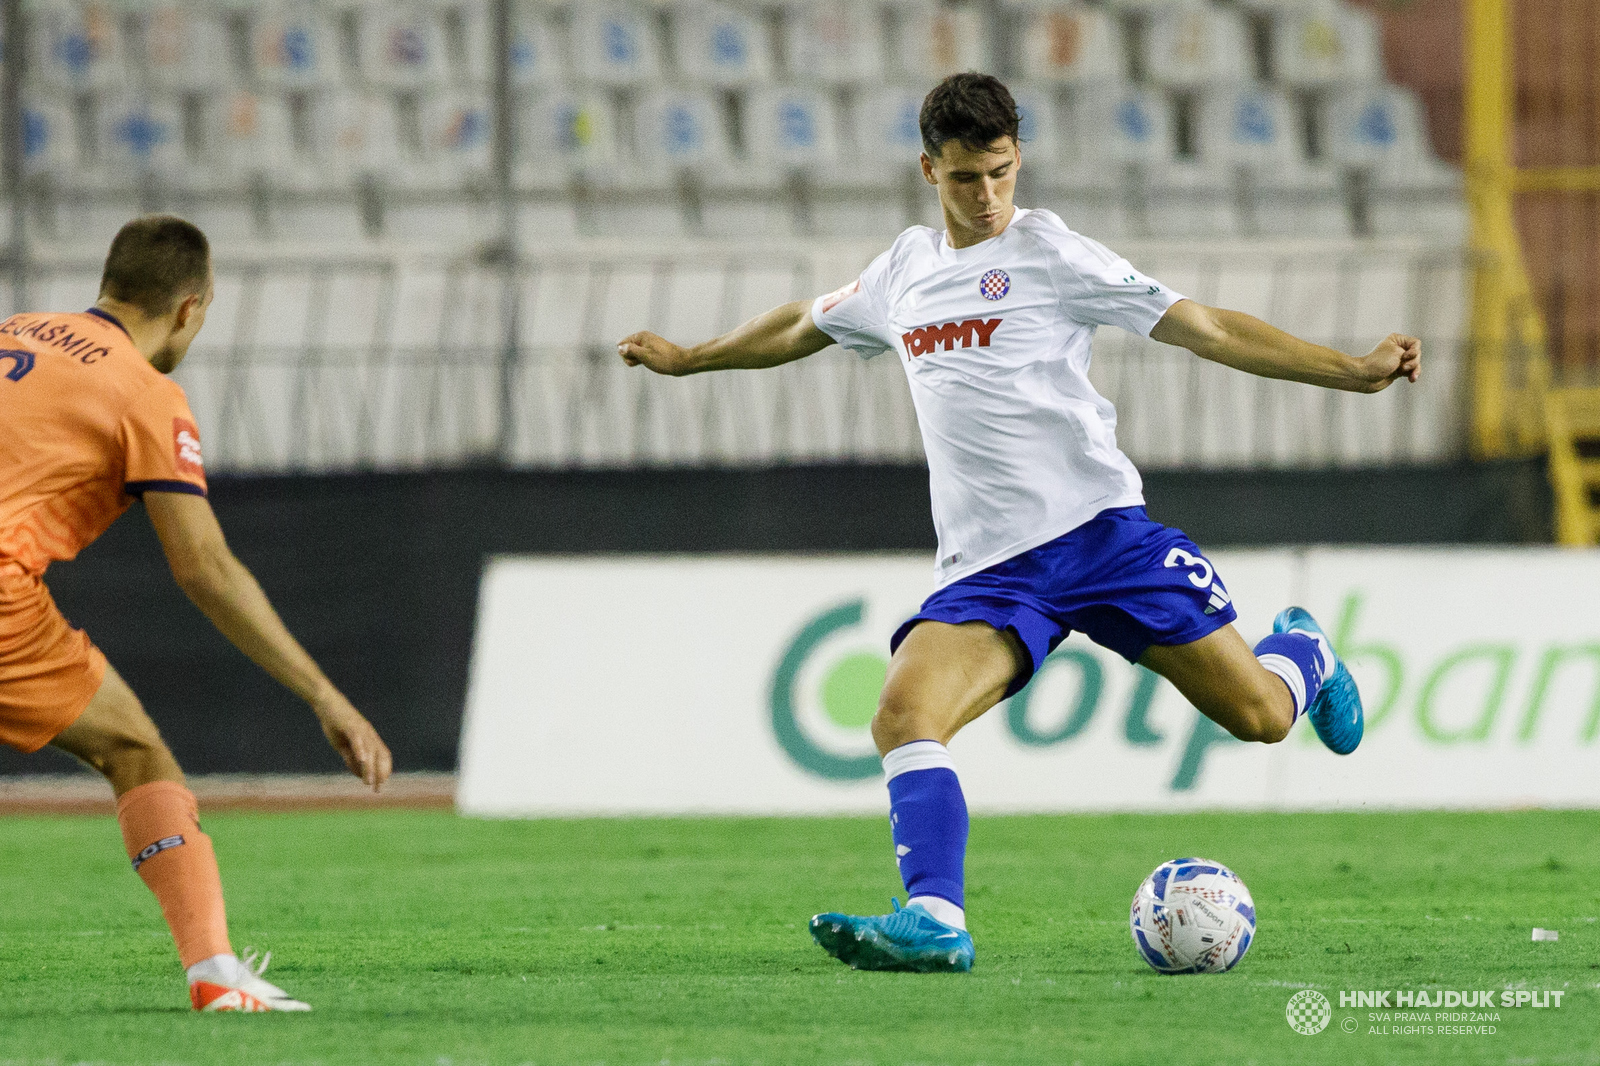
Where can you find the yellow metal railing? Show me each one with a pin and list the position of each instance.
(1510, 368)
(1515, 409)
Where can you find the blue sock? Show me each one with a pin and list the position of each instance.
(928, 815)
(1301, 660)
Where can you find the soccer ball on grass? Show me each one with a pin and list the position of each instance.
(1192, 916)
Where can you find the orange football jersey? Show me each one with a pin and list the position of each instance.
(86, 425)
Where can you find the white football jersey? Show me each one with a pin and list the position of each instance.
(995, 342)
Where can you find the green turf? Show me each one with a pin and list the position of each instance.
(423, 938)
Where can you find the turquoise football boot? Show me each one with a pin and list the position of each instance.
(1336, 712)
(909, 939)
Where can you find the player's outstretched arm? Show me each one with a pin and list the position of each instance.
(227, 593)
(1246, 343)
(779, 336)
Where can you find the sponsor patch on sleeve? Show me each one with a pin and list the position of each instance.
(186, 455)
(838, 296)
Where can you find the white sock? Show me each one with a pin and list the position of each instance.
(225, 970)
(942, 909)
(1330, 661)
(917, 755)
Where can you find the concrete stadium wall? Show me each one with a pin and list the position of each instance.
(378, 574)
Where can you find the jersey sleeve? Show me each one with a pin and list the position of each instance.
(161, 444)
(1099, 287)
(857, 315)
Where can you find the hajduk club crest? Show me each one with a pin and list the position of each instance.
(994, 284)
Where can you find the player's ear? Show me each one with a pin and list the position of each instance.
(927, 169)
(186, 310)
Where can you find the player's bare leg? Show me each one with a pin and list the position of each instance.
(1224, 680)
(115, 736)
(161, 831)
(1257, 694)
(942, 677)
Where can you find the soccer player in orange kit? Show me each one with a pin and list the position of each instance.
(89, 421)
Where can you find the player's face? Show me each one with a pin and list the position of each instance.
(184, 332)
(975, 187)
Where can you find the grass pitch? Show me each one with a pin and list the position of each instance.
(424, 938)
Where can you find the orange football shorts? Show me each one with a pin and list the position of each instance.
(48, 671)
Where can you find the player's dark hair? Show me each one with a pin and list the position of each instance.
(156, 261)
(975, 109)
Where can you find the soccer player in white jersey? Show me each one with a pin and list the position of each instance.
(1040, 518)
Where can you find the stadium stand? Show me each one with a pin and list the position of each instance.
(751, 152)
(1204, 106)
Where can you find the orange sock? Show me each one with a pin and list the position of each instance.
(161, 830)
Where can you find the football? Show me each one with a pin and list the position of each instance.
(1192, 916)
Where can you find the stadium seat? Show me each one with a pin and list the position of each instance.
(1189, 46)
(1047, 178)
(1377, 126)
(293, 45)
(140, 141)
(1069, 43)
(934, 41)
(1125, 153)
(457, 135)
(1118, 126)
(1378, 132)
(1254, 134)
(684, 158)
(679, 141)
(1111, 139)
(49, 142)
(357, 139)
(878, 190)
(678, 131)
(250, 141)
(791, 151)
(1040, 130)
(717, 44)
(401, 46)
(1326, 43)
(79, 46)
(885, 137)
(185, 48)
(614, 44)
(791, 129)
(563, 137)
(535, 59)
(835, 42)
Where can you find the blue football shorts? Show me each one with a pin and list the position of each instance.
(1122, 580)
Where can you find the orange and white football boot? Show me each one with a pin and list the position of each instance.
(228, 983)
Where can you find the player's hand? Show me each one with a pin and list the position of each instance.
(1396, 356)
(353, 737)
(655, 353)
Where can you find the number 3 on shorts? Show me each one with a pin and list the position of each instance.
(1177, 557)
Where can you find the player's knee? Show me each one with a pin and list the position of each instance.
(129, 751)
(895, 720)
(129, 748)
(1271, 729)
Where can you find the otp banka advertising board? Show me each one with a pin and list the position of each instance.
(682, 684)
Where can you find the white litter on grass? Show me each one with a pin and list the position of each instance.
(1546, 934)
